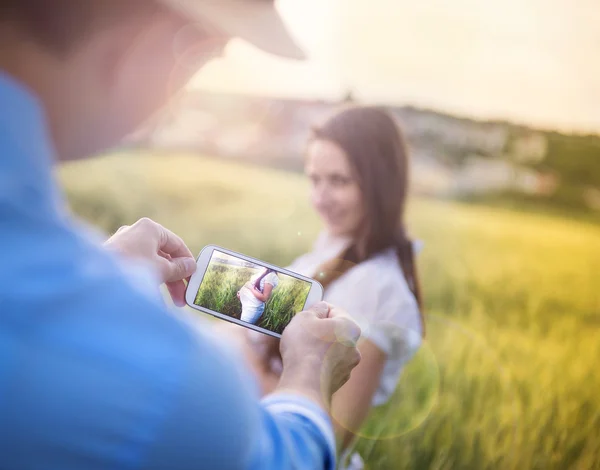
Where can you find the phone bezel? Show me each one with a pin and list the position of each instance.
(315, 294)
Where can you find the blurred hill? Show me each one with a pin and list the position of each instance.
(452, 156)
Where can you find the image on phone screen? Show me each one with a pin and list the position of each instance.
(255, 294)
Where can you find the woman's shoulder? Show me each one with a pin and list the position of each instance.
(381, 270)
(381, 285)
(376, 294)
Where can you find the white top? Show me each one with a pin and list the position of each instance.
(248, 297)
(376, 295)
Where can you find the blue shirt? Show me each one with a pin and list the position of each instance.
(95, 373)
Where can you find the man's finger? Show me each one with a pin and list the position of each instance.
(321, 310)
(335, 312)
(177, 292)
(271, 346)
(347, 331)
(177, 269)
(173, 245)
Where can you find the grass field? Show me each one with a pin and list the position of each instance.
(218, 292)
(508, 377)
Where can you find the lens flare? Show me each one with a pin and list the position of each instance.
(419, 393)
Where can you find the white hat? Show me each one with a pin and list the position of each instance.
(256, 21)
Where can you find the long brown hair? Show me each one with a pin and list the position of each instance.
(261, 277)
(377, 152)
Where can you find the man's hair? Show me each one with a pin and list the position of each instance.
(60, 25)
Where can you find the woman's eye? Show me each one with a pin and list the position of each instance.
(340, 181)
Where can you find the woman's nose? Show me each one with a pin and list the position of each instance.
(321, 195)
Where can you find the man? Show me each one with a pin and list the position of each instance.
(94, 372)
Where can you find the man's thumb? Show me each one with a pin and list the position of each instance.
(321, 309)
(177, 269)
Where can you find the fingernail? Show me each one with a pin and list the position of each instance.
(190, 265)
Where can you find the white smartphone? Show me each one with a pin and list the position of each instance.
(249, 292)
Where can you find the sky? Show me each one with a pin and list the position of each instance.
(535, 62)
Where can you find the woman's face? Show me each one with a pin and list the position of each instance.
(335, 193)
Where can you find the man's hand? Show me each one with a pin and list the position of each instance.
(318, 350)
(153, 243)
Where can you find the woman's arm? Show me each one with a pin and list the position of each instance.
(263, 296)
(351, 404)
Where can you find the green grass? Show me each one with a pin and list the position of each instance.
(218, 292)
(508, 377)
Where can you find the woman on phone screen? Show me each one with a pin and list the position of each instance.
(256, 293)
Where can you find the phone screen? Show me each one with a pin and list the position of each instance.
(252, 293)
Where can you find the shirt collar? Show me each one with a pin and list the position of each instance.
(19, 93)
(335, 244)
(26, 152)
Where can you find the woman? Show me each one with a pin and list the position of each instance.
(256, 293)
(358, 166)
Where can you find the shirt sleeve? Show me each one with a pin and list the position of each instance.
(302, 433)
(219, 420)
(397, 340)
(381, 302)
(231, 428)
(273, 280)
(295, 433)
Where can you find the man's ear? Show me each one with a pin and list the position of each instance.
(133, 74)
(141, 68)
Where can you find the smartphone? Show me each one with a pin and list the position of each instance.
(249, 292)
